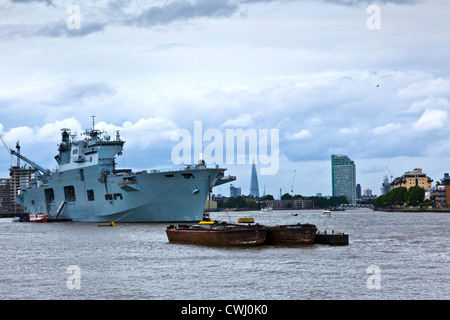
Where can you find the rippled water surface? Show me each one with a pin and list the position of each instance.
(135, 261)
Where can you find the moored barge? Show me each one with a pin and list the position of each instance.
(217, 234)
(333, 239)
(291, 234)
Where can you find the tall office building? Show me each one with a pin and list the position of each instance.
(9, 188)
(234, 191)
(358, 192)
(254, 189)
(343, 177)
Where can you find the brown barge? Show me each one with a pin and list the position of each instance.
(333, 239)
(218, 234)
(291, 234)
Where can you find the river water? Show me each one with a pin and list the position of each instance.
(391, 255)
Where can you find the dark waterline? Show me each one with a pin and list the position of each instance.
(135, 261)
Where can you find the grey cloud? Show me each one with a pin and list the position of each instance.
(75, 92)
(115, 13)
(60, 29)
(53, 30)
(343, 2)
(97, 19)
(183, 10)
(369, 2)
(66, 99)
(48, 2)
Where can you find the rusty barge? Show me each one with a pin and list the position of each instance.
(333, 238)
(225, 234)
(291, 234)
(216, 233)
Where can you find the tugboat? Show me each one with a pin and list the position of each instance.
(37, 217)
(246, 220)
(216, 233)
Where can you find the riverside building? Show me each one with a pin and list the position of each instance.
(343, 177)
(443, 190)
(412, 178)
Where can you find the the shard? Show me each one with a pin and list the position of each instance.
(254, 189)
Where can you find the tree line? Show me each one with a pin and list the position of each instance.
(398, 197)
(318, 202)
(238, 202)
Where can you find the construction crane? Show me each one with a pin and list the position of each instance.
(390, 174)
(292, 186)
(7, 149)
(18, 151)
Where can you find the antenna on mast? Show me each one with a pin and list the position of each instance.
(93, 122)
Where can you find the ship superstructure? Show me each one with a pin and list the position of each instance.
(86, 186)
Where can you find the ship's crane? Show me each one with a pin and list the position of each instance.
(45, 172)
(7, 149)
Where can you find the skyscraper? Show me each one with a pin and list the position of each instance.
(343, 177)
(254, 189)
(386, 186)
(234, 191)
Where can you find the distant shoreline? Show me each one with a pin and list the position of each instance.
(413, 209)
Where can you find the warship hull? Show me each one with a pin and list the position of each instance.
(172, 196)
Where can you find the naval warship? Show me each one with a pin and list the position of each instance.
(86, 186)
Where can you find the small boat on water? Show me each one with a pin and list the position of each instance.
(217, 234)
(37, 217)
(291, 234)
(267, 209)
(326, 213)
(246, 220)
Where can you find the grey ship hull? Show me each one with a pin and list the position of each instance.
(80, 195)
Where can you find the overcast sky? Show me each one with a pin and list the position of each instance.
(316, 70)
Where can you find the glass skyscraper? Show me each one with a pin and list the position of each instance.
(343, 177)
(234, 191)
(254, 188)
